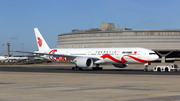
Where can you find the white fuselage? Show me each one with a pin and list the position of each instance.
(107, 55)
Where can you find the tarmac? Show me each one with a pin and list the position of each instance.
(60, 83)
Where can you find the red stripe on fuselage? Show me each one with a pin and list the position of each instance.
(137, 59)
(122, 59)
(57, 58)
(113, 59)
(55, 50)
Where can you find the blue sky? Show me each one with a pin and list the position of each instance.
(53, 17)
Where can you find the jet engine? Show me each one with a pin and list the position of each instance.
(84, 62)
(120, 65)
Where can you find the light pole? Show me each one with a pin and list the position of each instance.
(2, 49)
(22, 48)
(8, 49)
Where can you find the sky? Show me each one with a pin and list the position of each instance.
(18, 18)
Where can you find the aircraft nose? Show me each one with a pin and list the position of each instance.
(156, 57)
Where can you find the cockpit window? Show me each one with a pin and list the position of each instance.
(152, 53)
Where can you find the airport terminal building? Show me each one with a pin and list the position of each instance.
(165, 42)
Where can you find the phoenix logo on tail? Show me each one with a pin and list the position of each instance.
(39, 41)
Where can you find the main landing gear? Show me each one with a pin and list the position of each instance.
(93, 68)
(97, 67)
(146, 66)
(76, 68)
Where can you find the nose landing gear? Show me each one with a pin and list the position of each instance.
(146, 66)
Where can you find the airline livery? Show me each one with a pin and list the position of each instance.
(87, 57)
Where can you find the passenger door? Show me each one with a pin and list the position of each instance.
(139, 54)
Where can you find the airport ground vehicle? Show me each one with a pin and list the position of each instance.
(172, 67)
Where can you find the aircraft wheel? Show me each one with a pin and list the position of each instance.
(100, 68)
(97, 68)
(76, 68)
(145, 69)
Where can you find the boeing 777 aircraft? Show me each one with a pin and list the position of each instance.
(87, 57)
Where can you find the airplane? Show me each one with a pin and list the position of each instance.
(87, 57)
(2, 58)
(10, 59)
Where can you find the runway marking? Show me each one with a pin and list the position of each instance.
(166, 98)
(5, 100)
(129, 95)
(29, 85)
(54, 86)
(49, 85)
(159, 98)
(102, 88)
(162, 98)
(5, 83)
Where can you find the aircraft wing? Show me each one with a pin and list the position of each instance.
(41, 53)
(69, 57)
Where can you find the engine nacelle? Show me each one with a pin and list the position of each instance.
(84, 62)
(120, 65)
